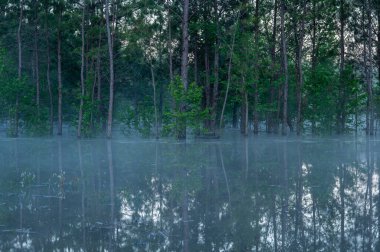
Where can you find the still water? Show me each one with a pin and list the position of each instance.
(236, 194)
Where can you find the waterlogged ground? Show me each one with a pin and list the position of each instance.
(236, 194)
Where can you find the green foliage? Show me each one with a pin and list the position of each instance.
(325, 96)
(140, 119)
(142, 43)
(17, 98)
(320, 86)
(187, 109)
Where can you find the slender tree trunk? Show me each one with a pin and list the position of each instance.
(273, 122)
(19, 45)
(98, 83)
(215, 91)
(256, 71)
(314, 54)
(98, 70)
(299, 69)
(341, 105)
(207, 73)
(235, 109)
(314, 37)
(154, 101)
(366, 68)
(19, 42)
(244, 110)
(378, 38)
(181, 132)
(229, 71)
(284, 70)
(185, 44)
(36, 55)
(79, 131)
(111, 87)
(48, 79)
(93, 94)
(370, 69)
(59, 69)
(170, 47)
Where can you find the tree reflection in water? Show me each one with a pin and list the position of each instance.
(256, 194)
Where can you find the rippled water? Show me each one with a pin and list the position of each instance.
(237, 194)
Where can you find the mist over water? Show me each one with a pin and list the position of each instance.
(234, 194)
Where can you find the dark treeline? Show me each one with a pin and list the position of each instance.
(168, 66)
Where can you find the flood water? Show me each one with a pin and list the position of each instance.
(257, 194)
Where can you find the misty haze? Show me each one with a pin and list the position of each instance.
(190, 125)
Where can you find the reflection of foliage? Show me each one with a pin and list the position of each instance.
(27, 179)
(234, 205)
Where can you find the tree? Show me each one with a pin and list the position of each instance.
(284, 65)
(272, 62)
(82, 84)
(112, 77)
(59, 67)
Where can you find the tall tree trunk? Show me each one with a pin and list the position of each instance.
(370, 70)
(378, 38)
(314, 53)
(284, 70)
(181, 132)
(98, 69)
(154, 101)
(170, 47)
(299, 38)
(215, 91)
(244, 109)
(185, 44)
(341, 105)
(59, 69)
(229, 71)
(19, 45)
(19, 42)
(111, 87)
(235, 109)
(273, 122)
(256, 71)
(48, 80)
(207, 77)
(36, 54)
(79, 131)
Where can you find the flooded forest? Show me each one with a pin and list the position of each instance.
(189, 125)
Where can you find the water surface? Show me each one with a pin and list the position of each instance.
(237, 194)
